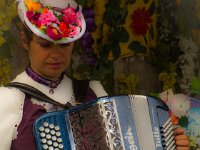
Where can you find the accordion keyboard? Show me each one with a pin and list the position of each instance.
(50, 136)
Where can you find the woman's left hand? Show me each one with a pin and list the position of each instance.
(182, 142)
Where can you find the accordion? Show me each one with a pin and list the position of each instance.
(124, 122)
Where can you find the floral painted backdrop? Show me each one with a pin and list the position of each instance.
(163, 32)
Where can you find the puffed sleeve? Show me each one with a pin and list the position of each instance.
(11, 109)
(98, 89)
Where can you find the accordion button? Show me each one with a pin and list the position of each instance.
(53, 132)
(42, 134)
(58, 134)
(48, 136)
(54, 138)
(45, 146)
(41, 129)
(47, 130)
(57, 128)
(44, 140)
(49, 142)
(51, 126)
(59, 140)
(55, 144)
(60, 146)
(51, 148)
(46, 124)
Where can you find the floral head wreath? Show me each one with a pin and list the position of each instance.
(59, 21)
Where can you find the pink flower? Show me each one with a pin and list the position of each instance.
(53, 33)
(47, 19)
(33, 18)
(73, 31)
(70, 16)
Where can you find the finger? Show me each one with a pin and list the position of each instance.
(181, 137)
(182, 148)
(178, 131)
(183, 143)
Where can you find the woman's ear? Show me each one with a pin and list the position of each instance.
(24, 40)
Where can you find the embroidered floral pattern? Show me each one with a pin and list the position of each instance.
(56, 23)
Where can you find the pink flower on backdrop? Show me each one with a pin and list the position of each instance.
(53, 33)
(47, 19)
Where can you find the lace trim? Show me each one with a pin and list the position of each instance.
(18, 121)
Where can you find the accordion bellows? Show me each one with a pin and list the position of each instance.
(126, 122)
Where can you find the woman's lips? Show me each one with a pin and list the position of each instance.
(54, 65)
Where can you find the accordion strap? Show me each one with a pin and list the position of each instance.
(35, 93)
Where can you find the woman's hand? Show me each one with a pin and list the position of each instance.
(182, 142)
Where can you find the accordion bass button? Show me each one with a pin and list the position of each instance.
(47, 130)
(42, 134)
(53, 132)
(45, 146)
(60, 146)
(49, 142)
(51, 148)
(48, 136)
(54, 138)
(58, 134)
(43, 140)
(41, 129)
(51, 126)
(45, 124)
(57, 128)
(59, 140)
(55, 144)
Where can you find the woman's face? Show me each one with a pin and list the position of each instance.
(48, 59)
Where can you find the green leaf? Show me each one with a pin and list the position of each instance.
(137, 47)
(116, 50)
(124, 13)
(80, 2)
(123, 35)
(146, 1)
(131, 1)
(183, 121)
(151, 32)
(152, 8)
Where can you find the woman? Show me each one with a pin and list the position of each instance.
(53, 27)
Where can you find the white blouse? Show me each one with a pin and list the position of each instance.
(12, 101)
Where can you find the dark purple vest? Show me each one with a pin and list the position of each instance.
(25, 139)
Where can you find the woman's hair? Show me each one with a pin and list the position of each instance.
(28, 33)
(26, 30)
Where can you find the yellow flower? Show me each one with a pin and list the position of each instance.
(33, 6)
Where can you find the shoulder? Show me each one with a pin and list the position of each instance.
(97, 87)
(11, 108)
(10, 98)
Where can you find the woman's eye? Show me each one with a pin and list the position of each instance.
(45, 45)
(64, 45)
